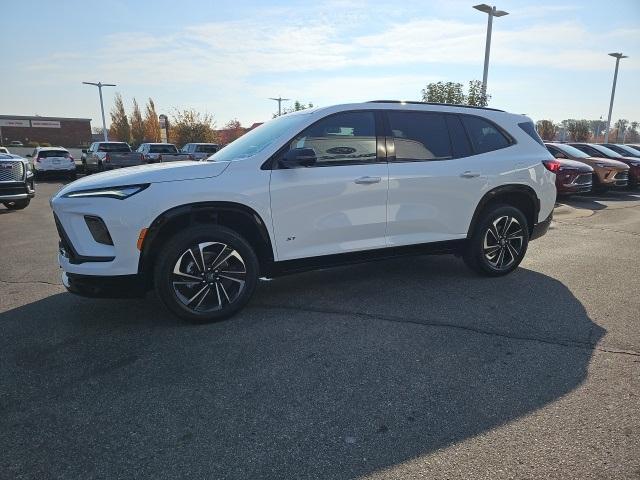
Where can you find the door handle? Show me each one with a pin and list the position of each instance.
(469, 174)
(367, 180)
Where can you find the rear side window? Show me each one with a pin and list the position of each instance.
(459, 140)
(485, 137)
(530, 130)
(420, 136)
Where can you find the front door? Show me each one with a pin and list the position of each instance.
(338, 205)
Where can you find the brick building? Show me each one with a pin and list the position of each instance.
(58, 131)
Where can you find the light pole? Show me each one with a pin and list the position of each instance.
(617, 56)
(491, 12)
(100, 85)
(280, 100)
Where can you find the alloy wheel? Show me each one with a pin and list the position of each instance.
(209, 276)
(503, 242)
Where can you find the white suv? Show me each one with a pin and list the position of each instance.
(53, 160)
(310, 189)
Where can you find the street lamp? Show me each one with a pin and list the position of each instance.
(280, 100)
(617, 56)
(491, 12)
(100, 85)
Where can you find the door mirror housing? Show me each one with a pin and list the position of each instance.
(298, 157)
(84, 150)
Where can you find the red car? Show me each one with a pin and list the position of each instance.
(571, 176)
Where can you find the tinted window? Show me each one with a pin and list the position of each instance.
(163, 149)
(207, 148)
(53, 153)
(571, 151)
(530, 130)
(420, 136)
(341, 139)
(484, 136)
(113, 147)
(588, 150)
(459, 140)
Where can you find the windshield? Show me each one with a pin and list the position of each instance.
(163, 149)
(607, 151)
(571, 151)
(114, 147)
(256, 140)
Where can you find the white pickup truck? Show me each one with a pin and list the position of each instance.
(102, 156)
(162, 152)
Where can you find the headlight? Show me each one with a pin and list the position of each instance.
(119, 193)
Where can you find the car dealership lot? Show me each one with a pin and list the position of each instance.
(397, 369)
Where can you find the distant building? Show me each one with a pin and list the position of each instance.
(58, 131)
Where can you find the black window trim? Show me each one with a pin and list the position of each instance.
(272, 162)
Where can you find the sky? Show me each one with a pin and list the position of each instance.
(548, 58)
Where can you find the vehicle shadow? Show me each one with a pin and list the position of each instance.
(593, 201)
(328, 374)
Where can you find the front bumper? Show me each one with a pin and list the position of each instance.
(10, 191)
(94, 286)
(541, 228)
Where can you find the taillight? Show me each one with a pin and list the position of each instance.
(71, 158)
(142, 157)
(159, 158)
(552, 165)
(107, 158)
(38, 158)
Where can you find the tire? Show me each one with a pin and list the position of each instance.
(492, 251)
(206, 295)
(17, 204)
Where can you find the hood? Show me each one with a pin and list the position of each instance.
(607, 162)
(582, 167)
(154, 173)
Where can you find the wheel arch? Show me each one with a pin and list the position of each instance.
(520, 196)
(238, 217)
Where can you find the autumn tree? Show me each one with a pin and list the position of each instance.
(151, 123)
(232, 131)
(189, 126)
(546, 129)
(137, 126)
(633, 136)
(452, 93)
(120, 128)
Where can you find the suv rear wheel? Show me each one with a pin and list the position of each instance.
(499, 241)
(206, 273)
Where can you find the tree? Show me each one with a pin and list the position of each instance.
(232, 131)
(190, 126)
(620, 128)
(452, 93)
(120, 128)
(137, 126)
(297, 106)
(151, 123)
(579, 130)
(546, 129)
(632, 134)
(97, 130)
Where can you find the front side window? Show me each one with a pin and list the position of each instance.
(588, 150)
(485, 137)
(420, 136)
(573, 152)
(340, 139)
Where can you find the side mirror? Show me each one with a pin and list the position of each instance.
(84, 150)
(298, 157)
(29, 155)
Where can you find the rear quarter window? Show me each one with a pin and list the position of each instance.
(530, 130)
(484, 135)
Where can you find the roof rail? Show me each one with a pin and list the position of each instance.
(413, 102)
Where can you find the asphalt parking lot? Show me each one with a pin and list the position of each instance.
(411, 368)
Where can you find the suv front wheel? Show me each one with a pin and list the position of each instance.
(206, 273)
(498, 242)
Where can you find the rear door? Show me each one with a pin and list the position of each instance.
(339, 204)
(437, 174)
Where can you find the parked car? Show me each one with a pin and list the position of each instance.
(162, 152)
(53, 160)
(602, 151)
(607, 173)
(16, 182)
(102, 156)
(307, 190)
(4, 150)
(624, 150)
(571, 176)
(16, 143)
(200, 151)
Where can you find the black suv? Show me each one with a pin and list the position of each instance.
(16, 182)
